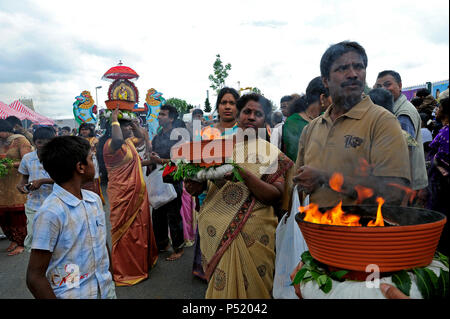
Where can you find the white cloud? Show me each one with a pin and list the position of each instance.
(53, 50)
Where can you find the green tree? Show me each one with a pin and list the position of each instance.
(207, 106)
(256, 90)
(181, 105)
(220, 74)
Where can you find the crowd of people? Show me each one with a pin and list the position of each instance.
(51, 202)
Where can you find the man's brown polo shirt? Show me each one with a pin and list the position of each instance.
(367, 133)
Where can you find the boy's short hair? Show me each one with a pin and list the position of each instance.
(61, 155)
(43, 133)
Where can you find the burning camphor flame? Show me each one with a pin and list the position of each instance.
(335, 215)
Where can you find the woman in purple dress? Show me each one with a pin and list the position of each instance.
(439, 178)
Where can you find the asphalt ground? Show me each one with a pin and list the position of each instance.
(167, 280)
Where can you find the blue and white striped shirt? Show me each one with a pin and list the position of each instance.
(74, 231)
(31, 166)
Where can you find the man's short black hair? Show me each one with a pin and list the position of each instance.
(173, 113)
(416, 101)
(335, 51)
(43, 133)
(197, 111)
(392, 73)
(13, 120)
(5, 126)
(423, 92)
(61, 155)
(286, 98)
(66, 128)
(382, 97)
(265, 104)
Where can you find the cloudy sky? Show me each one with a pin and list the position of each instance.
(53, 50)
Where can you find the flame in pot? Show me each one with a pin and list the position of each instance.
(379, 221)
(334, 216)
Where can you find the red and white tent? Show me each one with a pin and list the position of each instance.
(30, 114)
(6, 111)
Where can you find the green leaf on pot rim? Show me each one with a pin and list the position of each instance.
(402, 281)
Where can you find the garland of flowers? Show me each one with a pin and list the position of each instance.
(5, 165)
(429, 285)
(185, 170)
(123, 115)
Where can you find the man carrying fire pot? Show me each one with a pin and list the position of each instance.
(353, 137)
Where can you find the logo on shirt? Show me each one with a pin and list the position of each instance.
(352, 141)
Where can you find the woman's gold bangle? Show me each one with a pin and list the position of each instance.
(115, 123)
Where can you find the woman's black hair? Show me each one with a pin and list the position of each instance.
(298, 105)
(44, 133)
(87, 126)
(416, 101)
(382, 97)
(314, 90)
(335, 51)
(445, 106)
(61, 155)
(5, 126)
(224, 91)
(100, 159)
(265, 104)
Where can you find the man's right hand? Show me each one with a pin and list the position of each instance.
(309, 179)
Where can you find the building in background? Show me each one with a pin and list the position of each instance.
(434, 87)
(28, 103)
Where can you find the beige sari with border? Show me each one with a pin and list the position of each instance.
(237, 231)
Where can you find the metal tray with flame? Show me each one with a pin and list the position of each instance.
(407, 240)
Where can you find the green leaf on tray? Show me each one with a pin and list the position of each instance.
(337, 275)
(402, 281)
(299, 276)
(423, 282)
(443, 284)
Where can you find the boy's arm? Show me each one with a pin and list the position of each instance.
(22, 183)
(36, 184)
(37, 283)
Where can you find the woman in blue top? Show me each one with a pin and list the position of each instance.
(227, 125)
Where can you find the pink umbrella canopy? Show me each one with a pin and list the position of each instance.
(120, 72)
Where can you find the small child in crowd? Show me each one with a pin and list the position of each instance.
(35, 180)
(69, 254)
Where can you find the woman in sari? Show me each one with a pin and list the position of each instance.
(237, 221)
(87, 131)
(133, 250)
(225, 127)
(13, 220)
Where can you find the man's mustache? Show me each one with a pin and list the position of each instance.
(352, 82)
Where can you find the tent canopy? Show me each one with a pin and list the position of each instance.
(23, 113)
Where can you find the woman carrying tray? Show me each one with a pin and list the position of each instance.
(237, 220)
